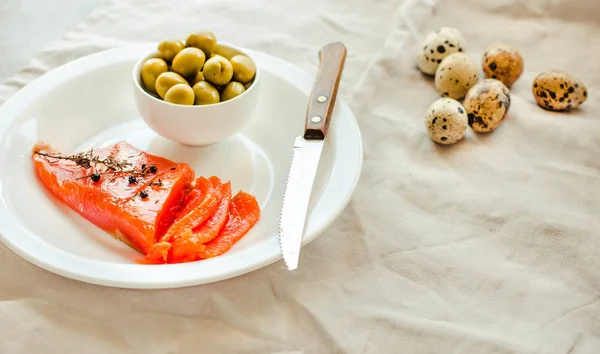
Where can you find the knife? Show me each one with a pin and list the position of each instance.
(307, 152)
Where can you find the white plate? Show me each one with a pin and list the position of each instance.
(89, 103)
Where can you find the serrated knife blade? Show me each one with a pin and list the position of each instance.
(305, 162)
(307, 152)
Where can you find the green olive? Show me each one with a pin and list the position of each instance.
(150, 71)
(218, 70)
(180, 94)
(167, 80)
(169, 48)
(199, 77)
(233, 89)
(243, 69)
(188, 62)
(205, 93)
(205, 41)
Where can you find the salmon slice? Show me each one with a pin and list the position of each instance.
(243, 214)
(186, 247)
(137, 213)
(191, 201)
(201, 203)
(211, 227)
(198, 210)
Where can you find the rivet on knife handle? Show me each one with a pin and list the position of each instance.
(322, 98)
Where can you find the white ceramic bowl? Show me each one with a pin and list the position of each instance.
(197, 125)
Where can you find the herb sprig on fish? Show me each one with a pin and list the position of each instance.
(112, 166)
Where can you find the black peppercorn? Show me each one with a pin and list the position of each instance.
(95, 177)
(143, 167)
(144, 194)
(132, 179)
(153, 169)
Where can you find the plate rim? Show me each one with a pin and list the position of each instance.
(28, 94)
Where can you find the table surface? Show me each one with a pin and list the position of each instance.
(487, 246)
(28, 26)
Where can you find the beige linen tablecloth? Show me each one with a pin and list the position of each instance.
(488, 246)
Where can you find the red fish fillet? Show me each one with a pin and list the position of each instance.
(149, 202)
(113, 203)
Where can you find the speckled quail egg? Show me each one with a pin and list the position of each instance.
(487, 104)
(446, 121)
(503, 62)
(556, 90)
(438, 45)
(456, 74)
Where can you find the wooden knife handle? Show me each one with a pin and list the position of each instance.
(322, 99)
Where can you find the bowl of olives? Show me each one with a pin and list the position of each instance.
(198, 91)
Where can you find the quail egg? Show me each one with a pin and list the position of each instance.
(446, 121)
(487, 104)
(438, 45)
(503, 62)
(456, 74)
(556, 90)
